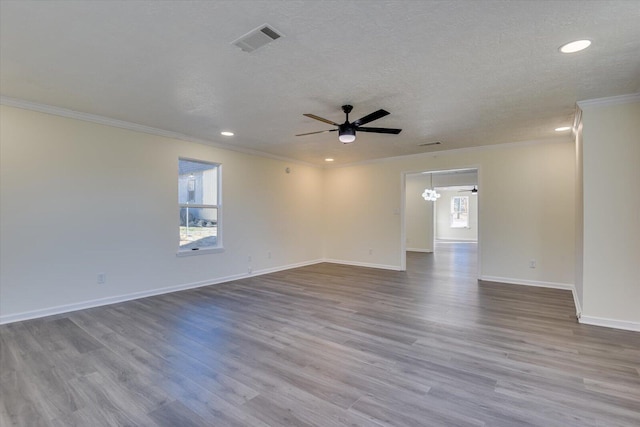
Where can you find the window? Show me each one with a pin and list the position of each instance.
(199, 205)
(460, 212)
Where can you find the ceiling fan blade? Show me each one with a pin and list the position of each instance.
(371, 117)
(313, 116)
(379, 130)
(320, 131)
(473, 190)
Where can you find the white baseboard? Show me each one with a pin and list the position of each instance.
(539, 284)
(286, 267)
(536, 283)
(586, 320)
(364, 264)
(66, 308)
(27, 315)
(428, 251)
(576, 301)
(610, 323)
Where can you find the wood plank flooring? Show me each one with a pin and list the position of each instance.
(326, 345)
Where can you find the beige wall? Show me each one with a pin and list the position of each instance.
(418, 214)
(79, 198)
(611, 240)
(526, 210)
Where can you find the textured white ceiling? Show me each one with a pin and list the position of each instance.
(466, 73)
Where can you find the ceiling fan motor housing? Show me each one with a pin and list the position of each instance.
(346, 133)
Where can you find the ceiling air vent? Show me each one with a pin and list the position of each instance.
(428, 144)
(257, 38)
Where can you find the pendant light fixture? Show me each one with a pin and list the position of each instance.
(430, 194)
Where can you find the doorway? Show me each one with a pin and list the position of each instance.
(448, 221)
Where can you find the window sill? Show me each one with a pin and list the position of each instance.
(191, 252)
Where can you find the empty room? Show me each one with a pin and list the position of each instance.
(319, 213)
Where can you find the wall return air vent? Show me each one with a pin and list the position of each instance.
(255, 39)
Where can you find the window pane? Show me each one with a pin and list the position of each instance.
(460, 212)
(197, 183)
(198, 227)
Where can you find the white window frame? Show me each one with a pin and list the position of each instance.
(453, 212)
(218, 206)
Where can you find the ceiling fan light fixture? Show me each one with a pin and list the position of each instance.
(346, 134)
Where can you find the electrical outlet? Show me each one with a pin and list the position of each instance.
(102, 278)
(370, 251)
(249, 258)
(269, 254)
(532, 263)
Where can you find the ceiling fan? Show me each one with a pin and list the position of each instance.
(474, 190)
(347, 130)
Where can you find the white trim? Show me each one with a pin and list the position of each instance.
(537, 283)
(106, 121)
(94, 118)
(111, 300)
(441, 240)
(403, 222)
(610, 323)
(550, 140)
(199, 251)
(364, 264)
(34, 314)
(576, 302)
(286, 267)
(610, 100)
(428, 251)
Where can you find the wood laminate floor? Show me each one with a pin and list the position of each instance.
(326, 345)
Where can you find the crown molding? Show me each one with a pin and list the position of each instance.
(577, 119)
(505, 145)
(106, 121)
(611, 100)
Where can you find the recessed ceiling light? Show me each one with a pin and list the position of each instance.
(575, 46)
(563, 128)
(328, 159)
(226, 133)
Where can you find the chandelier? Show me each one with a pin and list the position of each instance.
(430, 194)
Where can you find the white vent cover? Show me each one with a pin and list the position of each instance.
(257, 38)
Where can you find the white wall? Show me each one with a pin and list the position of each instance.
(579, 266)
(526, 210)
(79, 198)
(418, 214)
(611, 240)
(443, 217)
